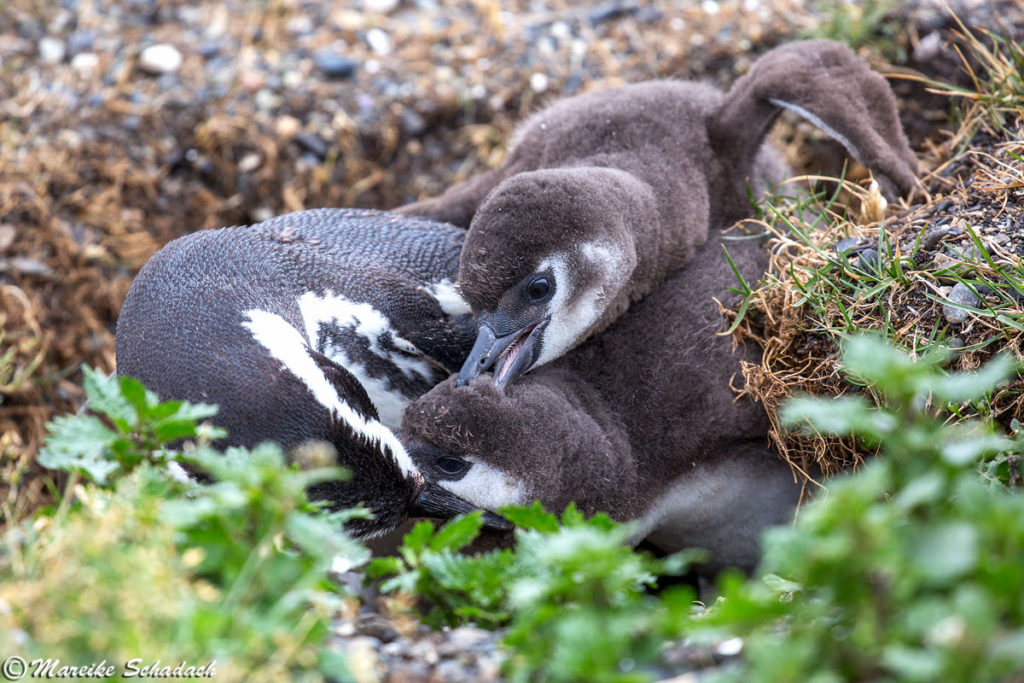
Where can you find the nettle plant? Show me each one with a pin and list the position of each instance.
(574, 597)
(134, 562)
(912, 568)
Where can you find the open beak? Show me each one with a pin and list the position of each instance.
(440, 503)
(512, 354)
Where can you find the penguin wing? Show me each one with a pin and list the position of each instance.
(827, 84)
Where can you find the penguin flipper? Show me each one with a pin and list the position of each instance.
(458, 203)
(826, 83)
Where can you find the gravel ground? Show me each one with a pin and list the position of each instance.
(126, 123)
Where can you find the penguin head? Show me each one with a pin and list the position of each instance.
(318, 399)
(547, 255)
(543, 438)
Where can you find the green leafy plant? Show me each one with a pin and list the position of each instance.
(573, 595)
(141, 564)
(912, 569)
(123, 424)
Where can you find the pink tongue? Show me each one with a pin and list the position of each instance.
(507, 358)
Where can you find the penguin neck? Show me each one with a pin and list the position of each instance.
(644, 244)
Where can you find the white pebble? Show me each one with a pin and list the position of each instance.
(560, 30)
(51, 50)
(260, 214)
(160, 59)
(539, 82)
(85, 62)
(378, 41)
(730, 647)
(381, 6)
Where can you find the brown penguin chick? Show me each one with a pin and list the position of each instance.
(639, 422)
(606, 194)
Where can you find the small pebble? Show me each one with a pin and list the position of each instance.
(265, 100)
(287, 127)
(730, 647)
(928, 48)
(869, 258)
(968, 253)
(378, 41)
(80, 41)
(51, 50)
(25, 266)
(412, 123)
(932, 238)
(539, 82)
(611, 10)
(209, 49)
(312, 144)
(249, 163)
(847, 245)
(345, 629)
(261, 213)
(380, 6)
(300, 25)
(334, 65)
(161, 58)
(7, 234)
(85, 62)
(377, 626)
(961, 295)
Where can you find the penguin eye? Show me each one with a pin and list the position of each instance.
(450, 466)
(538, 289)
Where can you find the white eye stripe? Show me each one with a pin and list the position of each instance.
(567, 323)
(487, 487)
(287, 345)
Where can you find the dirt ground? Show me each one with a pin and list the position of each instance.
(126, 123)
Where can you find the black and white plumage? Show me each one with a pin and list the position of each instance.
(604, 195)
(639, 421)
(319, 324)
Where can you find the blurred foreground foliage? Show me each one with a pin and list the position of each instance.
(135, 562)
(911, 569)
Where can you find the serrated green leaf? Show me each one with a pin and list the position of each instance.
(969, 451)
(779, 584)
(137, 396)
(571, 516)
(416, 540)
(457, 533)
(323, 541)
(171, 430)
(104, 393)
(970, 386)
(80, 443)
(531, 516)
(922, 490)
(945, 551)
(379, 567)
(840, 416)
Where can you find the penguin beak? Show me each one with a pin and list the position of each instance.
(440, 503)
(512, 354)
